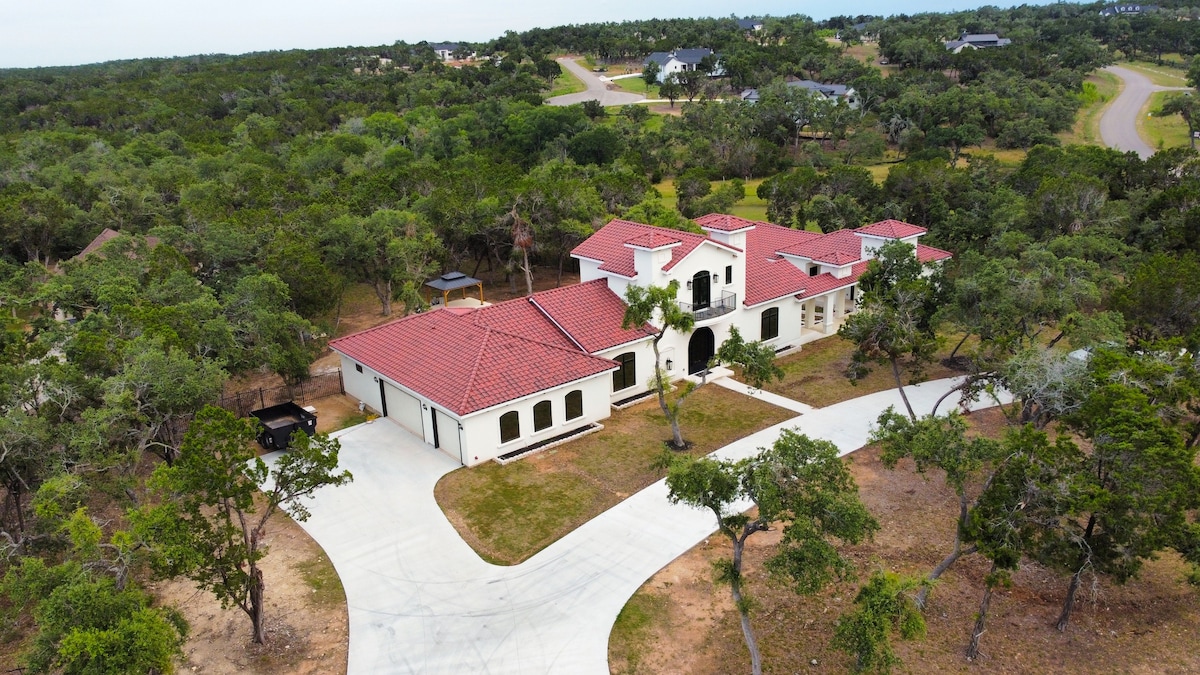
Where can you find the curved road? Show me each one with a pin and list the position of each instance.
(1118, 125)
(597, 89)
(421, 601)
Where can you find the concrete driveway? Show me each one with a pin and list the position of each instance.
(597, 89)
(1118, 125)
(421, 601)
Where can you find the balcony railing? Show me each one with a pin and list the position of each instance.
(717, 307)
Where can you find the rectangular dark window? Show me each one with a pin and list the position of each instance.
(510, 426)
(813, 269)
(358, 367)
(626, 377)
(770, 323)
(543, 416)
(575, 404)
(729, 274)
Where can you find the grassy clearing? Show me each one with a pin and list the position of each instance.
(816, 375)
(636, 85)
(1163, 75)
(508, 513)
(752, 207)
(1087, 123)
(566, 83)
(1166, 131)
(631, 637)
(320, 576)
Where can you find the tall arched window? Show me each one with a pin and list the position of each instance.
(575, 404)
(510, 426)
(626, 376)
(770, 324)
(543, 416)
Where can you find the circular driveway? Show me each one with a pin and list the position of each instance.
(597, 89)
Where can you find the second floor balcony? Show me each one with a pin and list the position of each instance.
(713, 308)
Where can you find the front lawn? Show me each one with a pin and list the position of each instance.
(508, 513)
(817, 374)
(1162, 131)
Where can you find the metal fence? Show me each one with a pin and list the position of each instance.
(315, 387)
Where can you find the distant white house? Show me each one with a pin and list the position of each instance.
(681, 60)
(446, 50)
(1117, 10)
(833, 92)
(498, 381)
(976, 41)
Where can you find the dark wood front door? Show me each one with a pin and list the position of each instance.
(701, 348)
(701, 291)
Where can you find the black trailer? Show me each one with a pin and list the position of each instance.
(279, 421)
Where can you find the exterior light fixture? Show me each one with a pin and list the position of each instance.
(716, 278)
(689, 285)
(670, 363)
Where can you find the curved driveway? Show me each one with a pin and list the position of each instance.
(1118, 125)
(597, 89)
(421, 601)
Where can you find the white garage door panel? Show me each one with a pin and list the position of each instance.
(404, 408)
(448, 434)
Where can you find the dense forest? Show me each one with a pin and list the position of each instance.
(258, 187)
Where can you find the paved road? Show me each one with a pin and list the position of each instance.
(1118, 125)
(421, 601)
(597, 90)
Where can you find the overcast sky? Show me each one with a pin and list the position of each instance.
(71, 32)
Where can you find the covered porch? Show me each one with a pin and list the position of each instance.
(438, 291)
(822, 315)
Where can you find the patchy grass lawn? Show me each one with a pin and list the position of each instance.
(566, 83)
(816, 375)
(636, 85)
(1146, 626)
(1164, 76)
(508, 513)
(1086, 130)
(1162, 131)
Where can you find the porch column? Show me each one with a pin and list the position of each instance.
(830, 313)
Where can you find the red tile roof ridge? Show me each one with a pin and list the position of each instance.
(652, 240)
(722, 222)
(891, 228)
(470, 388)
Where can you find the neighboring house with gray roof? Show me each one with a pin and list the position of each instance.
(750, 24)
(833, 92)
(681, 60)
(976, 41)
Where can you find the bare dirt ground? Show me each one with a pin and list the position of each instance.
(305, 615)
(1147, 626)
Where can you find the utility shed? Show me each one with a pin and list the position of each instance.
(453, 281)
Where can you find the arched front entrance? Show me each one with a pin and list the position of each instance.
(701, 348)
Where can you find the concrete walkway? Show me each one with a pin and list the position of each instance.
(597, 89)
(421, 601)
(1118, 125)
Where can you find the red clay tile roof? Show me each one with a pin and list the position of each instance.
(520, 318)
(769, 276)
(608, 246)
(930, 254)
(840, 247)
(725, 223)
(652, 240)
(463, 366)
(106, 235)
(892, 229)
(590, 314)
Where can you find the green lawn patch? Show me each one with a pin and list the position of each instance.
(566, 83)
(817, 374)
(1162, 75)
(636, 85)
(632, 633)
(508, 513)
(1104, 88)
(1162, 131)
(320, 576)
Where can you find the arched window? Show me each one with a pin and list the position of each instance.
(770, 324)
(626, 376)
(543, 416)
(575, 404)
(510, 426)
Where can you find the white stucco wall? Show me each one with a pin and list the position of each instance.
(643, 365)
(481, 431)
(361, 386)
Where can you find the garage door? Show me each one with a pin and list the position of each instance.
(405, 409)
(448, 441)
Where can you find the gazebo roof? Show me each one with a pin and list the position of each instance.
(451, 281)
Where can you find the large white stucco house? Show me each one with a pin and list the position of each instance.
(499, 380)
